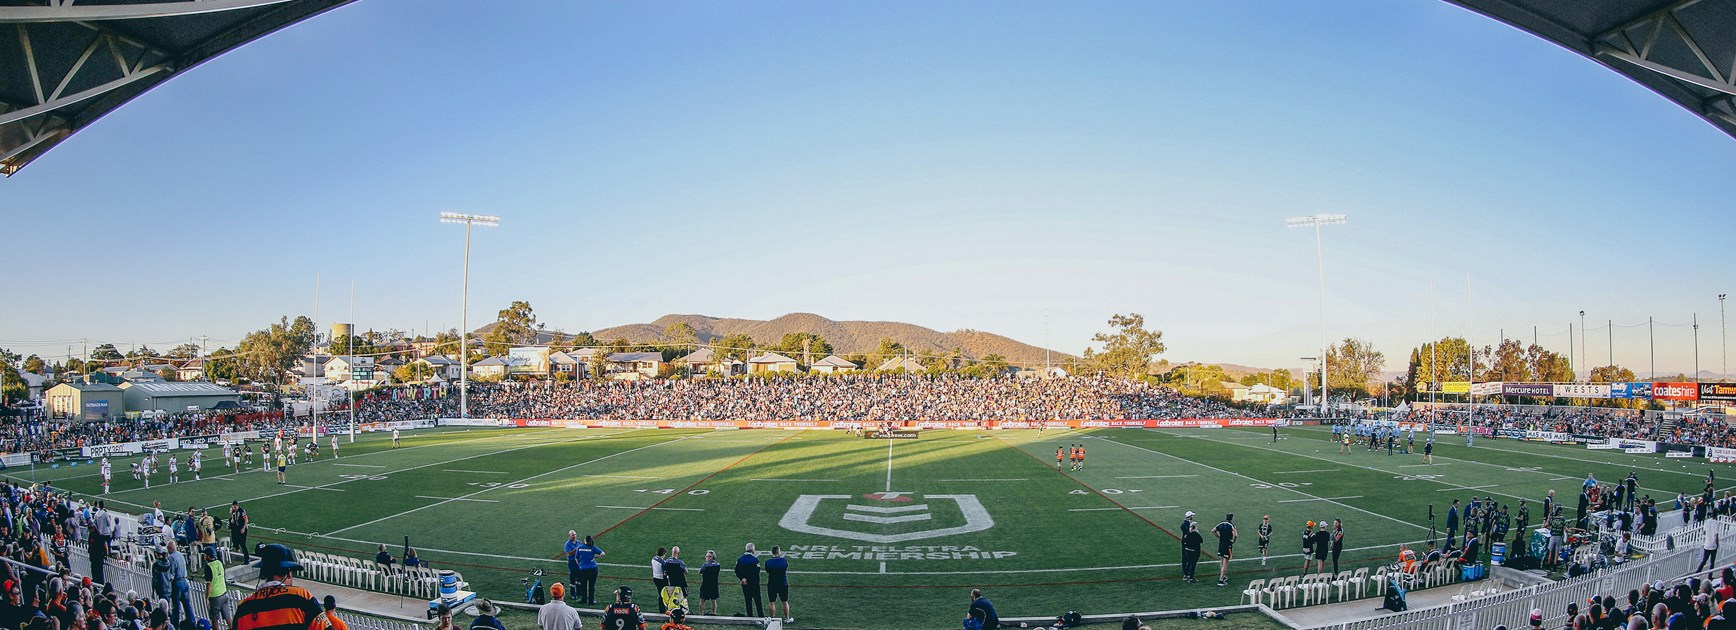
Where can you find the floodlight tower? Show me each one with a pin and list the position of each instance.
(1320, 260)
(468, 220)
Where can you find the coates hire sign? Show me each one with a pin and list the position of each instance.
(1527, 389)
(1630, 390)
(1582, 390)
(1718, 392)
(1675, 391)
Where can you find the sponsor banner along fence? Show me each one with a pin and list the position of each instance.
(1720, 455)
(1456, 387)
(1581, 390)
(1527, 389)
(1718, 392)
(1486, 389)
(1630, 390)
(1675, 391)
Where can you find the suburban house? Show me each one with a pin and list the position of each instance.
(444, 367)
(350, 369)
(902, 364)
(569, 364)
(634, 366)
(86, 400)
(832, 365)
(1267, 394)
(771, 362)
(491, 367)
(192, 370)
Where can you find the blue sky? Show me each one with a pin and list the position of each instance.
(1026, 168)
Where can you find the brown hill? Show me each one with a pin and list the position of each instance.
(845, 337)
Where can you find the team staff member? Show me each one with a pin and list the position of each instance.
(1337, 542)
(658, 578)
(778, 583)
(983, 611)
(1226, 533)
(578, 553)
(1322, 545)
(747, 572)
(278, 604)
(1191, 544)
(1265, 531)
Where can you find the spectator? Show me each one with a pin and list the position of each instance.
(487, 615)
(1191, 545)
(384, 558)
(557, 615)
(238, 523)
(443, 617)
(981, 612)
(181, 594)
(328, 616)
(278, 604)
(217, 592)
(1709, 550)
(677, 620)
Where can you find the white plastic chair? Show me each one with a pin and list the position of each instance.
(1254, 590)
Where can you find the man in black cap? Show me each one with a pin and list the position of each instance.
(278, 604)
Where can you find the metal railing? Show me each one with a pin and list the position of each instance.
(1513, 608)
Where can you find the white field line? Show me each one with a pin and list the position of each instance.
(1493, 485)
(474, 472)
(358, 465)
(1135, 507)
(1236, 474)
(1324, 499)
(371, 543)
(1593, 461)
(984, 480)
(631, 476)
(889, 464)
(1159, 477)
(811, 480)
(629, 507)
(451, 499)
(314, 488)
(1304, 472)
(1422, 465)
(524, 480)
(1343, 463)
(394, 472)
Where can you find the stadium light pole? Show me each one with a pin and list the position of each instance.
(1724, 365)
(469, 220)
(1582, 353)
(1315, 222)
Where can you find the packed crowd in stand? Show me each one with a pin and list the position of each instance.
(866, 398)
(37, 434)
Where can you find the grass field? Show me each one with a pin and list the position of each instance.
(495, 503)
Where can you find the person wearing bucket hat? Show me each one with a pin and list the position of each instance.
(487, 616)
(278, 604)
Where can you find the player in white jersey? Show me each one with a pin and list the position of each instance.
(277, 442)
(107, 469)
(334, 447)
(174, 469)
(292, 449)
(394, 437)
(228, 462)
(197, 463)
(265, 458)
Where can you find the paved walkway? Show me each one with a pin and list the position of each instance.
(1369, 608)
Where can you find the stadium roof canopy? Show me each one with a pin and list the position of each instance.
(63, 65)
(1682, 49)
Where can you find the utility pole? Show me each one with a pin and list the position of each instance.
(1652, 341)
(1696, 347)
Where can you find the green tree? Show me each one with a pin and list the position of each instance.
(1436, 362)
(35, 365)
(141, 355)
(737, 346)
(73, 365)
(351, 345)
(106, 352)
(791, 345)
(515, 325)
(413, 372)
(11, 384)
(269, 354)
(183, 352)
(1353, 365)
(1128, 349)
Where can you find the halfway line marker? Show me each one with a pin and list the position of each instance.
(629, 507)
(456, 499)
